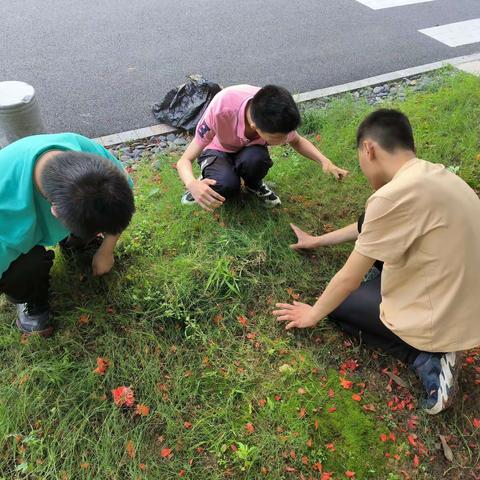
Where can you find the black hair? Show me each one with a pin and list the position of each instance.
(390, 128)
(91, 194)
(274, 111)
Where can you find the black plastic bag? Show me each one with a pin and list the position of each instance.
(183, 106)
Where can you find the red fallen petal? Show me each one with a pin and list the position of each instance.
(347, 384)
(469, 360)
(123, 396)
(278, 398)
(412, 440)
(302, 413)
(315, 424)
(383, 437)
(349, 474)
(327, 476)
(391, 435)
(102, 366)
(165, 452)
(476, 422)
(416, 461)
(332, 409)
(187, 425)
(181, 473)
(249, 427)
(356, 397)
(331, 393)
(242, 320)
(290, 469)
(318, 138)
(330, 446)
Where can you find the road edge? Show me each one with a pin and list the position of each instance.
(468, 63)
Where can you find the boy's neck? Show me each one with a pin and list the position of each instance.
(42, 161)
(393, 164)
(250, 132)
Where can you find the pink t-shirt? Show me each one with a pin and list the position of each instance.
(222, 126)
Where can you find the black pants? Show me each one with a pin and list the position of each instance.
(27, 279)
(250, 163)
(359, 316)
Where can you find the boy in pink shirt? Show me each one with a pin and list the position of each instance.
(231, 143)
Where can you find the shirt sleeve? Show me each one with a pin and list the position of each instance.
(388, 230)
(205, 131)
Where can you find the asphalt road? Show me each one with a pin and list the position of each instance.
(98, 66)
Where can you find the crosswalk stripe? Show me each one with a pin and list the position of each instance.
(379, 4)
(456, 34)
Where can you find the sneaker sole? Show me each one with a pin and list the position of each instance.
(47, 332)
(443, 404)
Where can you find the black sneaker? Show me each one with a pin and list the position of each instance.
(34, 318)
(269, 198)
(187, 198)
(439, 375)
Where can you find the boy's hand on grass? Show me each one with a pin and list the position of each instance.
(337, 172)
(205, 196)
(305, 241)
(102, 263)
(298, 315)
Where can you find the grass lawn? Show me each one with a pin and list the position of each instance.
(184, 319)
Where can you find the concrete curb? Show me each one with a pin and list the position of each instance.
(467, 63)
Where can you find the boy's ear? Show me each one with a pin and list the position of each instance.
(53, 209)
(370, 150)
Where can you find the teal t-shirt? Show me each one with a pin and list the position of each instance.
(25, 216)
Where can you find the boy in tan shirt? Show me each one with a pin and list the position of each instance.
(422, 227)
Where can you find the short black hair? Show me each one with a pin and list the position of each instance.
(90, 193)
(390, 128)
(274, 110)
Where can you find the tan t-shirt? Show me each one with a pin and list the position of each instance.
(425, 225)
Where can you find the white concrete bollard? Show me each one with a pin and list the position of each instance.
(19, 112)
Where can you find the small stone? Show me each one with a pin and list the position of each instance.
(162, 144)
(180, 141)
(393, 90)
(124, 158)
(377, 90)
(171, 137)
(356, 94)
(140, 147)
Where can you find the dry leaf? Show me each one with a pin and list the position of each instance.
(447, 451)
(130, 449)
(397, 379)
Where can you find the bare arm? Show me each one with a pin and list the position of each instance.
(346, 281)
(201, 190)
(308, 150)
(103, 260)
(308, 242)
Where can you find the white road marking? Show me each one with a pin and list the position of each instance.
(456, 34)
(379, 4)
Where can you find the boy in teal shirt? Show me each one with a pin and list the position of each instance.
(61, 187)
